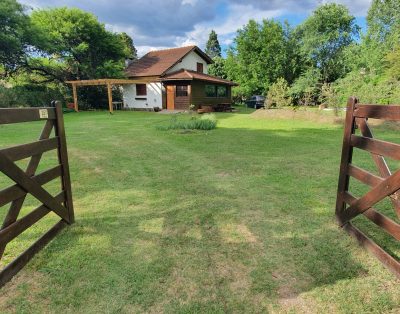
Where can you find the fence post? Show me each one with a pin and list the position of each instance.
(347, 154)
(63, 160)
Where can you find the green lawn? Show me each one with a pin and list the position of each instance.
(237, 219)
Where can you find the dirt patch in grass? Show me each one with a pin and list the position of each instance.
(23, 287)
(236, 233)
(314, 115)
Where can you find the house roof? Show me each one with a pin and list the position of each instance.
(188, 75)
(157, 63)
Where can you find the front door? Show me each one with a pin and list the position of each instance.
(170, 97)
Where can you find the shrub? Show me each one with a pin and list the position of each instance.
(278, 95)
(305, 89)
(205, 122)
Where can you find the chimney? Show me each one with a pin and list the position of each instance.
(128, 62)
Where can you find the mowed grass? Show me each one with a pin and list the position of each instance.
(239, 219)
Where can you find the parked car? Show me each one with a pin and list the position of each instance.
(256, 102)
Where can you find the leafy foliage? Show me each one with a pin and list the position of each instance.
(258, 57)
(205, 122)
(324, 36)
(75, 45)
(213, 48)
(15, 36)
(305, 89)
(130, 49)
(218, 68)
(278, 95)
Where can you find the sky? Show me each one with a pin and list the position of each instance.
(158, 24)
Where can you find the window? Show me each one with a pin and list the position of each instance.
(199, 67)
(211, 91)
(216, 91)
(222, 91)
(181, 90)
(141, 90)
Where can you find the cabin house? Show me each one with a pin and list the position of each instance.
(176, 79)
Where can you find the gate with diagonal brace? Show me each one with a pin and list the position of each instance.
(386, 184)
(27, 181)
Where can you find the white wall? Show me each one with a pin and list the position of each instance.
(190, 63)
(151, 100)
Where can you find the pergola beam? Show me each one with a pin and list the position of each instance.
(107, 82)
(75, 94)
(109, 92)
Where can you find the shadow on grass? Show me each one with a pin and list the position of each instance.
(234, 215)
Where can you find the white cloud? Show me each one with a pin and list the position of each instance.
(167, 23)
(237, 16)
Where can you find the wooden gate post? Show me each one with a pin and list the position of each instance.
(347, 154)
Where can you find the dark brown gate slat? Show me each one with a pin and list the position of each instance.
(364, 176)
(390, 112)
(391, 227)
(385, 185)
(386, 259)
(27, 150)
(380, 162)
(15, 229)
(28, 182)
(8, 116)
(16, 265)
(14, 192)
(382, 148)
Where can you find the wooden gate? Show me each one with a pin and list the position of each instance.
(28, 182)
(382, 186)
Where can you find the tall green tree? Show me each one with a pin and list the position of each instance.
(15, 35)
(324, 36)
(75, 45)
(258, 57)
(213, 48)
(130, 49)
(384, 21)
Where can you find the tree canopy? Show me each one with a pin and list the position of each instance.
(324, 36)
(15, 35)
(258, 56)
(75, 45)
(213, 48)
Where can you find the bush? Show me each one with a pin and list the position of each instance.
(205, 122)
(278, 95)
(305, 90)
(29, 96)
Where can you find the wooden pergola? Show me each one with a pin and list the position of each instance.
(107, 82)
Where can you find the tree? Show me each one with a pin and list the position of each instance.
(130, 49)
(324, 37)
(258, 57)
(75, 45)
(305, 90)
(14, 35)
(384, 22)
(278, 95)
(213, 48)
(218, 68)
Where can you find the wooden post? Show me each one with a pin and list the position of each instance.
(63, 160)
(109, 91)
(347, 154)
(75, 97)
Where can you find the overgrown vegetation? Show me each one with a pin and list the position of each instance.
(326, 54)
(204, 122)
